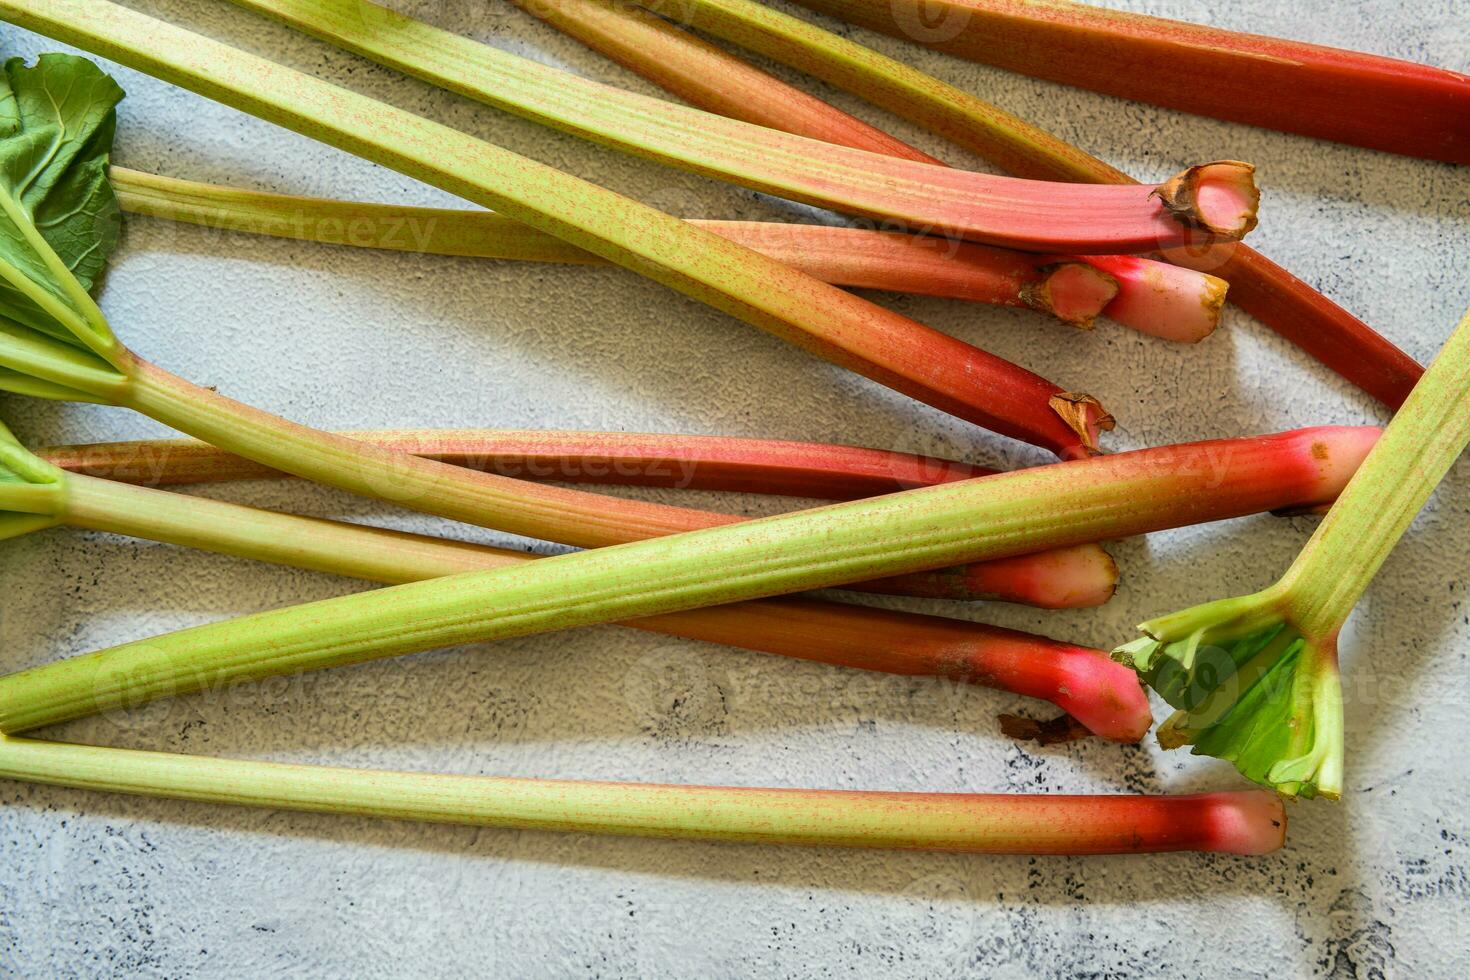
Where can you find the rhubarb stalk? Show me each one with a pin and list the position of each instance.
(889, 348)
(1250, 822)
(1103, 696)
(1207, 203)
(1073, 289)
(1346, 96)
(683, 462)
(56, 343)
(1255, 678)
(985, 518)
(1262, 288)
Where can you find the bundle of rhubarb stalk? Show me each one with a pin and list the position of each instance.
(1252, 679)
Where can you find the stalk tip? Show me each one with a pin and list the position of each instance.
(1106, 697)
(1221, 197)
(1074, 292)
(1248, 822)
(1078, 577)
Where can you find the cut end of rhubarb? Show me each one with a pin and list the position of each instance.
(1074, 292)
(1162, 299)
(1085, 416)
(1246, 822)
(1076, 577)
(1220, 198)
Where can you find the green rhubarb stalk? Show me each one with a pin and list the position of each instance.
(1262, 288)
(1213, 202)
(56, 343)
(1074, 290)
(1103, 696)
(1250, 822)
(1255, 679)
(845, 329)
(986, 518)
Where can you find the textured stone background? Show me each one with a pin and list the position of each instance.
(1374, 886)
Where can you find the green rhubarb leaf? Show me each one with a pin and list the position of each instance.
(59, 222)
(57, 121)
(1248, 688)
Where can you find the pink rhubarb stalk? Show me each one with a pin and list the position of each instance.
(1347, 96)
(1259, 286)
(1063, 578)
(573, 517)
(1073, 289)
(1082, 575)
(1159, 298)
(1235, 823)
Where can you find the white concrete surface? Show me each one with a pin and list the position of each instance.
(93, 885)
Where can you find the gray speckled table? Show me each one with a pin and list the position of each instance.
(1374, 886)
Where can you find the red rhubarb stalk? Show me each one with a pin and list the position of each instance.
(1074, 289)
(1060, 578)
(1259, 286)
(847, 330)
(553, 513)
(1235, 823)
(1347, 96)
(684, 462)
